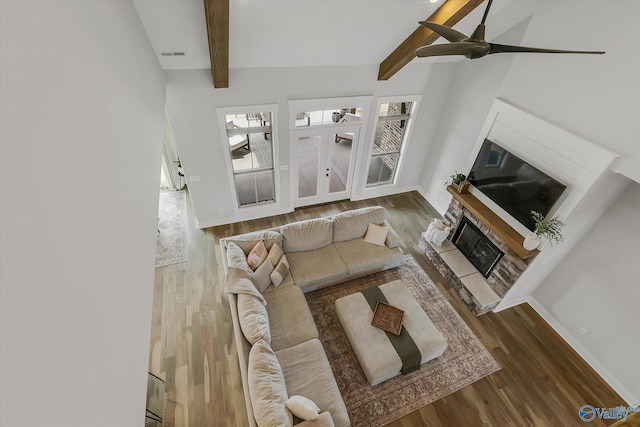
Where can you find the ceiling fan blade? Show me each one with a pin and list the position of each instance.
(503, 48)
(446, 32)
(461, 48)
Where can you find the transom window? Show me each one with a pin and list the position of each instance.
(328, 117)
(388, 142)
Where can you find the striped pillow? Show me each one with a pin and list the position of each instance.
(280, 272)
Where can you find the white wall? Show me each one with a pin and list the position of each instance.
(476, 84)
(192, 103)
(592, 96)
(596, 287)
(81, 137)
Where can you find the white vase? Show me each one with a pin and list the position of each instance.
(531, 241)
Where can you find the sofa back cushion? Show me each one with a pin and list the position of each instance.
(246, 242)
(353, 224)
(267, 388)
(253, 318)
(307, 235)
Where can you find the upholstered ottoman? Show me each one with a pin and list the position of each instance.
(377, 356)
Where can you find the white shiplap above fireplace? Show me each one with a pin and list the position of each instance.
(569, 158)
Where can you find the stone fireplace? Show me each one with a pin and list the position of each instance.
(483, 257)
(579, 163)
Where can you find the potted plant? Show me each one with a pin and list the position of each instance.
(549, 229)
(459, 182)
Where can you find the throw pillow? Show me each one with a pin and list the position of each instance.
(376, 234)
(275, 253)
(253, 318)
(262, 276)
(303, 408)
(267, 387)
(280, 272)
(257, 255)
(237, 258)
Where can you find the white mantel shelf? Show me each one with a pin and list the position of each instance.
(504, 231)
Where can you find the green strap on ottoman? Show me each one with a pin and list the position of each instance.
(405, 346)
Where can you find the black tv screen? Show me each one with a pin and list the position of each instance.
(513, 184)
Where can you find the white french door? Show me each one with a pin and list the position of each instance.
(324, 164)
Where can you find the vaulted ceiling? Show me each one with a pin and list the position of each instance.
(290, 33)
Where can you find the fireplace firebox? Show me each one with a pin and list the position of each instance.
(478, 249)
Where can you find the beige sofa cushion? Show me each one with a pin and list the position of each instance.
(247, 241)
(253, 318)
(353, 224)
(307, 373)
(307, 235)
(362, 257)
(267, 387)
(318, 268)
(392, 240)
(289, 317)
(323, 420)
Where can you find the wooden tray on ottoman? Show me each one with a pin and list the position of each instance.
(387, 317)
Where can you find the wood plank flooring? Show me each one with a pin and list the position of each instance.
(543, 382)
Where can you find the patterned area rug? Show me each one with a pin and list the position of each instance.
(464, 361)
(172, 239)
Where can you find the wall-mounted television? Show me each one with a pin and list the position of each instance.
(513, 184)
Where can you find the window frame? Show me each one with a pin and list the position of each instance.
(264, 208)
(298, 105)
(406, 138)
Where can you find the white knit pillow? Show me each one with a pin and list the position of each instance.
(302, 407)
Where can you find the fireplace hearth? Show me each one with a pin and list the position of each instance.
(476, 247)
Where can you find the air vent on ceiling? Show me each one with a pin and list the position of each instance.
(173, 53)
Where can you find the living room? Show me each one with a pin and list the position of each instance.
(97, 286)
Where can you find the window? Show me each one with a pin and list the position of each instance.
(391, 132)
(328, 117)
(249, 136)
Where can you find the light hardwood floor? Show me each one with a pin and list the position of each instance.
(543, 382)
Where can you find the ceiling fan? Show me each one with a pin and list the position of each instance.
(475, 46)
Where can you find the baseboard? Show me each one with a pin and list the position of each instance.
(423, 193)
(609, 378)
(502, 306)
(216, 222)
(234, 219)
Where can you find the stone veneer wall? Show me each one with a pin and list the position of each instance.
(510, 266)
(389, 134)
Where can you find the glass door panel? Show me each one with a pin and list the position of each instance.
(340, 162)
(308, 165)
(325, 161)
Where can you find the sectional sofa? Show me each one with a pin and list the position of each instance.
(279, 351)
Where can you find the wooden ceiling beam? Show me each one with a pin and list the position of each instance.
(449, 14)
(217, 16)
